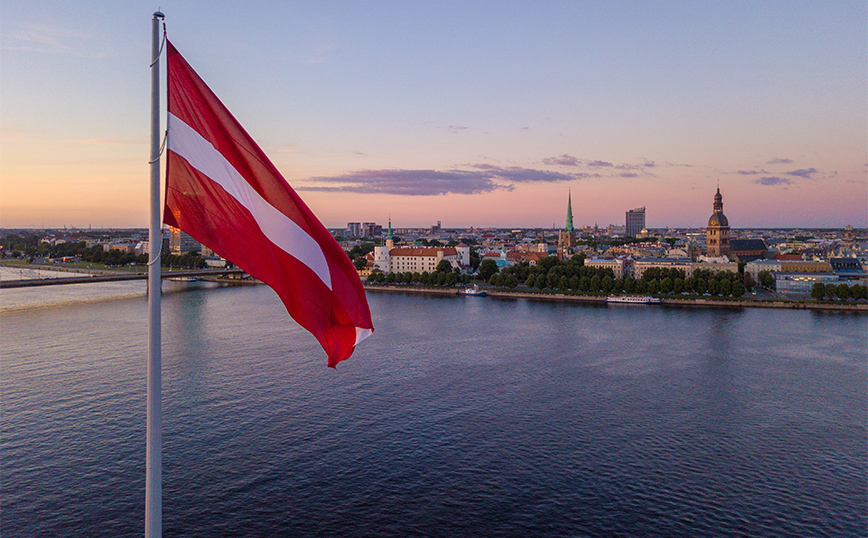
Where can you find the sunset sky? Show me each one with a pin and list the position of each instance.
(470, 113)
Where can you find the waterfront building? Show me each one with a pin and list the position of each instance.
(635, 222)
(802, 283)
(181, 242)
(684, 264)
(717, 231)
(755, 267)
(567, 236)
(617, 265)
(418, 259)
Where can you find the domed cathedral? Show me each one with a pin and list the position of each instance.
(717, 232)
(567, 237)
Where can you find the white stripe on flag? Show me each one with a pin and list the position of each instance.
(277, 227)
(361, 334)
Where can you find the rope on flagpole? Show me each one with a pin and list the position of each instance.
(156, 257)
(162, 147)
(160, 53)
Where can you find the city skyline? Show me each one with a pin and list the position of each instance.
(485, 115)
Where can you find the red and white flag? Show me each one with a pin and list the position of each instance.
(222, 190)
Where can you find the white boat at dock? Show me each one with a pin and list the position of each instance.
(633, 299)
(473, 291)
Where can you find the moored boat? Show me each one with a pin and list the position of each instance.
(632, 299)
(473, 291)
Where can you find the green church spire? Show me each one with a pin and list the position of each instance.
(569, 212)
(389, 236)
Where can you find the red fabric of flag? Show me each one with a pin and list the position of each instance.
(223, 191)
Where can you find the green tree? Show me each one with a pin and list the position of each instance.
(584, 283)
(749, 282)
(842, 291)
(596, 281)
(487, 268)
(714, 286)
(858, 291)
(738, 289)
(654, 286)
(607, 283)
(766, 279)
(818, 290)
(359, 263)
(701, 286)
(678, 285)
(530, 281)
(548, 262)
(494, 280)
(443, 267)
(666, 285)
(552, 280)
(726, 287)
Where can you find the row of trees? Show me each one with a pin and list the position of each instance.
(839, 291)
(572, 275)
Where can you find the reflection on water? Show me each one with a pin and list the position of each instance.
(459, 417)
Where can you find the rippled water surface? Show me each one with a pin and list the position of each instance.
(459, 417)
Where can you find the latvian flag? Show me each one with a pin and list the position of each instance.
(222, 190)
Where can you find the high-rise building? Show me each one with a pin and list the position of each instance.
(717, 232)
(635, 221)
(371, 229)
(354, 229)
(567, 236)
(181, 243)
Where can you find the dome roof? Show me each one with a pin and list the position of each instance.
(718, 219)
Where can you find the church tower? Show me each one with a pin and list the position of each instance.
(389, 242)
(567, 237)
(717, 232)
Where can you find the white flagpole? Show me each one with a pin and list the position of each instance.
(153, 456)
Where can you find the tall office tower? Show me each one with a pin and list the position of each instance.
(635, 221)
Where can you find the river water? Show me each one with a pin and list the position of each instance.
(460, 416)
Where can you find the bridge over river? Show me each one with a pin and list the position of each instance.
(108, 276)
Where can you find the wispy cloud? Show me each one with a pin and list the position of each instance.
(773, 180)
(479, 179)
(407, 182)
(751, 172)
(456, 128)
(597, 164)
(47, 39)
(563, 160)
(804, 172)
(780, 161)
